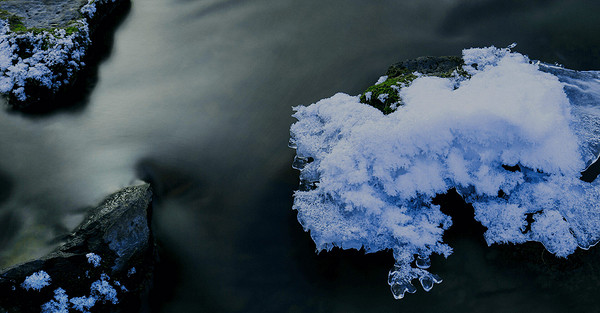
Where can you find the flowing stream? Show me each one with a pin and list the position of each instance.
(196, 95)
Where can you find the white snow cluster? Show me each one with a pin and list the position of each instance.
(60, 303)
(368, 179)
(36, 281)
(100, 290)
(89, 9)
(93, 259)
(46, 59)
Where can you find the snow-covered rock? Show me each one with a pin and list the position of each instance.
(510, 135)
(43, 46)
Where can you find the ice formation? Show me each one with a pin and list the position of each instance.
(93, 259)
(100, 291)
(60, 303)
(36, 281)
(368, 179)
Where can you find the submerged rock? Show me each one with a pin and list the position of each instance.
(107, 263)
(43, 45)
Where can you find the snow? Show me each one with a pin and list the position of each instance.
(93, 259)
(382, 97)
(102, 290)
(48, 52)
(131, 271)
(36, 281)
(83, 304)
(60, 304)
(381, 79)
(367, 179)
(89, 9)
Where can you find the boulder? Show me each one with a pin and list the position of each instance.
(43, 46)
(106, 265)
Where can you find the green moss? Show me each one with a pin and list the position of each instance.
(15, 23)
(389, 87)
(71, 30)
(402, 77)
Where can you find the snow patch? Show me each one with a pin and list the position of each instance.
(60, 303)
(93, 259)
(36, 281)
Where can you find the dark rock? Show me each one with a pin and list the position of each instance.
(428, 65)
(118, 231)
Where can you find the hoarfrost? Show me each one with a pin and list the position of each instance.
(49, 58)
(371, 177)
(93, 259)
(60, 304)
(83, 304)
(36, 281)
(102, 290)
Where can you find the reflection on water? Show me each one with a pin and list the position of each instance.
(196, 97)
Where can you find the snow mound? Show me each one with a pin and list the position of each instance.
(512, 140)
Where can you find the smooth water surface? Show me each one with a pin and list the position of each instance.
(196, 95)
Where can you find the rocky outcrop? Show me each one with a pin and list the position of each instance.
(106, 265)
(43, 45)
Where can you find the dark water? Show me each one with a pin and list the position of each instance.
(196, 97)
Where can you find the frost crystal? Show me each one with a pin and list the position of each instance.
(93, 259)
(60, 304)
(102, 290)
(83, 304)
(131, 271)
(368, 179)
(36, 281)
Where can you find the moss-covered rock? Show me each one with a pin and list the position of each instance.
(385, 95)
(43, 45)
